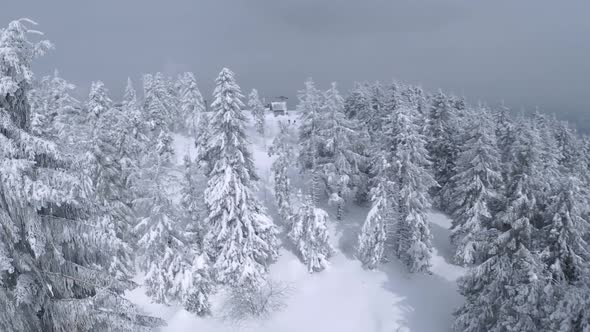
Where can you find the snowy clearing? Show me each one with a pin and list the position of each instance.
(345, 297)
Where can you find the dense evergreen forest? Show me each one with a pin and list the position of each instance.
(90, 197)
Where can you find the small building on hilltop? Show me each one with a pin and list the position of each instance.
(278, 107)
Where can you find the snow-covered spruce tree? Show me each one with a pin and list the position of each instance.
(192, 199)
(309, 107)
(378, 111)
(570, 147)
(393, 98)
(282, 147)
(412, 242)
(202, 138)
(172, 99)
(366, 106)
(153, 109)
(378, 234)
(134, 139)
(159, 232)
(115, 148)
(585, 160)
(567, 257)
(129, 95)
(98, 102)
(504, 293)
(132, 143)
(52, 254)
(241, 237)
(112, 194)
(158, 104)
(549, 152)
(309, 234)
(192, 105)
(197, 286)
(339, 167)
(505, 137)
(357, 104)
(52, 107)
(257, 110)
(415, 96)
(170, 242)
(476, 186)
(372, 241)
(440, 131)
(190, 275)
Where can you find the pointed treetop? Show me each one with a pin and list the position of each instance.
(130, 96)
(227, 93)
(254, 94)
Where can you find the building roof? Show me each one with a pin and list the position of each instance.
(279, 105)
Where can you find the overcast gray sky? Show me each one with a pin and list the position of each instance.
(527, 52)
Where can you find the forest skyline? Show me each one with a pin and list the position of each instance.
(532, 59)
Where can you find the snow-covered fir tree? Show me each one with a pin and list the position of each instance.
(191, 101)
(570, 147)
(309, 107)
(98, 102)
(53, 253)
(195, 284)
(549, 153)
(172, 99)
(416, 98)
(339, 165)
(202, 139)
(159, 106)
(309, 234)
(112, 195)
(129, 95)
(505, 137)
(53, 108)
(153, 108)
(241, 237)
(159, 232)
(396, 224)
(376, 240)
(282, 147)
(504, 293)
(412, 178)
(442, 147)
(357, 104)
(392, 96)
(132, 142)
(108, 167)
(170, 242)
(192, 198)
(476, 186)
(377, 113)
(134, 132)
(257, 109)
(567, 257)
(373, 237)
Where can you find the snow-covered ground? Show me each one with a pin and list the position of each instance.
(345, 297)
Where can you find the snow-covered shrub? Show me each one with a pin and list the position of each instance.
(259, 302)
